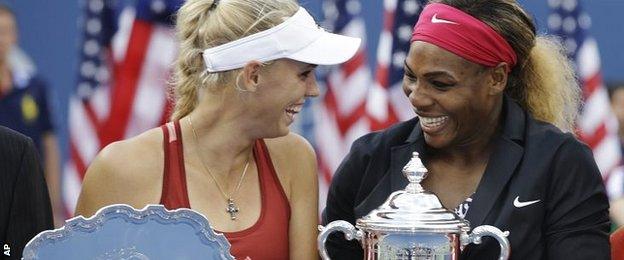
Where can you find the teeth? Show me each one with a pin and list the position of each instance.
(433, 121)
(294, 109)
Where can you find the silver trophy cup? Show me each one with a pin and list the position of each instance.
(412, 224)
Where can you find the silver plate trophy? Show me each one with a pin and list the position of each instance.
(412, 224)
(122, 232)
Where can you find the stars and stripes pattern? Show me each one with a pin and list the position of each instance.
(597, 125)
(340, 113)
(354, 102)
(387, 103)
(127, 51)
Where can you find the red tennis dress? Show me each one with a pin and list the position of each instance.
(268, 237)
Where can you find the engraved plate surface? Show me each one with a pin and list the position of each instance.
(415, 247)
(122, 232)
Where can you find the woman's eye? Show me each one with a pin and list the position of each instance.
(305, 74)
(441, 85)
(409, 77)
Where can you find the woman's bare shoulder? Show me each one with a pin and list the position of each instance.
(138, 155)
(294, 160)
(292, 148)
(127, 172)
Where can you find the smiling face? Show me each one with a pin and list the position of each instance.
(282, 90)
(458, 102)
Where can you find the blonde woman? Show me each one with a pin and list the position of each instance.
(244, 71)
(495, 107)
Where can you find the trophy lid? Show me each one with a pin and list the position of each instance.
(413, 209)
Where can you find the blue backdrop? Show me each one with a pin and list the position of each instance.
(49, 33)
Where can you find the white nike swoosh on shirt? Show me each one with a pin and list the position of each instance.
(519, 204)
(435, 19)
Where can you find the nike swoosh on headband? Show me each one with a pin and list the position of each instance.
(519, 204)
(435, 19)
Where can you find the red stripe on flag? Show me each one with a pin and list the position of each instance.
(392, 118)
(126, 81)
(344, 121)
(388, 20)
(592, 84)
(77, 160)
(330, 100)
(91, 116)
(354, 63)
(382, 75)
(595, 138)
(325, 171)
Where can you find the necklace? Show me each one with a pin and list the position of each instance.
(231, 208)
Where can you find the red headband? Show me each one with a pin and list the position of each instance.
(468, 37)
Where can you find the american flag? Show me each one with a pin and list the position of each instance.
(340, 116)
(597, 125)
(354, 103)
(387, 103)
(126, 54)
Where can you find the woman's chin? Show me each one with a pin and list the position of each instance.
(436, 141)
(279, 131)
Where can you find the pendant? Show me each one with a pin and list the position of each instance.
(231, 209)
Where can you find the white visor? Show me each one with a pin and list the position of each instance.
(298, 38)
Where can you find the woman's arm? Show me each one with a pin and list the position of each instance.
(341, 199)
(123, 173)
(577, 219)
(99, 184)
(303, 202)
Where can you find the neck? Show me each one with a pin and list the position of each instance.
(219, 139)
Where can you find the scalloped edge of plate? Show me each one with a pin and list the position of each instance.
(81, 224)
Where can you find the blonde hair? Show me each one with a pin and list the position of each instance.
(543, 81)
(551, 90)
(202, 24)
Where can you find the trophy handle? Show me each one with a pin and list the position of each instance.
(487, 230)
(339, 225)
